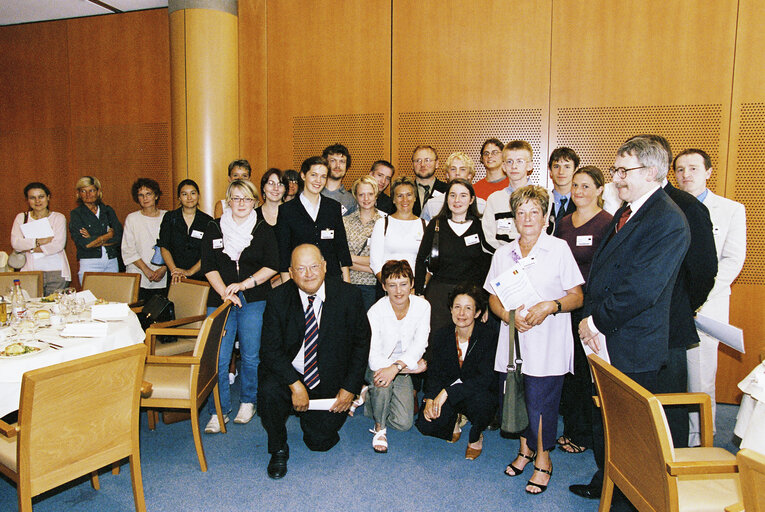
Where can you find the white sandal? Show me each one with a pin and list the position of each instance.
(380, 440)
(360, 399)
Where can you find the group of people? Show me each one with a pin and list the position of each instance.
(391, 301)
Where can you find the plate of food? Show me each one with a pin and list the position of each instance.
(21, 349)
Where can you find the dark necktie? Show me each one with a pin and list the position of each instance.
(623, 219)
(561, 209)
(311, 347)
(426, 195)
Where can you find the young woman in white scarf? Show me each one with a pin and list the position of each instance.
(239, 257)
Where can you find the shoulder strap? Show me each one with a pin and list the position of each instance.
(385, 229)
(424, 224)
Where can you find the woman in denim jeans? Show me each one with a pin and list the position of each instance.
(239, 257)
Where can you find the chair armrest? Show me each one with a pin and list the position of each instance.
(736, 507)
(171, 331)
(705, 411)
(173, 360)
(701, 467)
(178, 321)
(146, 389)
(137, 304)
(136, 309)
(8, 430)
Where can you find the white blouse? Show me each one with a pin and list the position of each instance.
(401, 242)
(388, 332)
(139, 237)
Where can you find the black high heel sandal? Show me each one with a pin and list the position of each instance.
(517, 471)
(542, 488)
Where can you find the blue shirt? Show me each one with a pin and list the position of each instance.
(703, 195)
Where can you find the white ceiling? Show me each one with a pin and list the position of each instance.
(25, 11)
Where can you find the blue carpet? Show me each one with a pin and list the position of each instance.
(417, 473)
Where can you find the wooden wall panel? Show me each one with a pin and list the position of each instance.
(453, 61)
(744, 184)
(253, 92)
(327, 58)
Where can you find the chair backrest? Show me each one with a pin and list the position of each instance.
(638, 445)
(78, 416)
(189, 298)
(112, 286)
(751, 469)
(31, 281)
(207, 348)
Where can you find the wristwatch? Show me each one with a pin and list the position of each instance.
(557, 303)
(400, 368)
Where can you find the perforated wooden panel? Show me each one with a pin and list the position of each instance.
(118, 155)
(596, 132)
(362, 134)
(466, 131)
(750, 189)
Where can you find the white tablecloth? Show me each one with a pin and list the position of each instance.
(750, 421)
(119, 334)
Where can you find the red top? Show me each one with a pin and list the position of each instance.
(484, 189)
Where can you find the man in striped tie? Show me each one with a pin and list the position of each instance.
(314, 346)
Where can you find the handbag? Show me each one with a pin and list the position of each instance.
(156, 309)
(515, 419)
(431, 261)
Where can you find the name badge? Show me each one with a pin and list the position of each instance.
(218, 243)
(528, 261)
(343, 210)
(584, 241)
(472, 239)
(436, 193)
(715, 230)
(195, 233)
(327, 234)
(504, 224)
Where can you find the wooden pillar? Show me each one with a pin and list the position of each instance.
(204, 93)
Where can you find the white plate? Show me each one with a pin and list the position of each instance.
(37, 344)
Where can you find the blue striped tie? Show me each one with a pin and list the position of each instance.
(311, 347)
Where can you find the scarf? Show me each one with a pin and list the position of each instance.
(236, 237)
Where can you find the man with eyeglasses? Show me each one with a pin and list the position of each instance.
(630, 285)
(497, 221)
(425, 165)
(382, 171)
(314, 346)
(339, 160)
(313, 219)
(491, 158)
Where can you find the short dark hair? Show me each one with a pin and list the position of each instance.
(244, 164)
(474, 292)
(148, 183)
(291, 175)
(382, 163)
(563, 153)
(33, 185)
(493, 142)
(187, 182)
(264, 179)
(311, 161)
(396, 269)
(336, 149)
(402, 181)
(472, 211)
(694, 151)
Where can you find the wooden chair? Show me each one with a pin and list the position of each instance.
(751, 466)
(189, 297)
(75, 418)
(113, 286)
(31, 281)
(640, 458)
(183, 382)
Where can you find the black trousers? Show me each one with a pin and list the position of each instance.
(673, 378)
(576, 398)
(320, 428)
(478, 408)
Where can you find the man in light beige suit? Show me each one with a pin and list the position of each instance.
(693, 167)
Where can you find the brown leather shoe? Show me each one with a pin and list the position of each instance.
(455, 436)
(473, 453)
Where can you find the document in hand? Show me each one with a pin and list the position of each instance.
(728, 334)
(513, 288)
(39, 228)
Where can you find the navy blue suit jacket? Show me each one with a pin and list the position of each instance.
(631, 281)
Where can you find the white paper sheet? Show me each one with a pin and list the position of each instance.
(118, 311)
(88, 296)
(726, 333)
(513, 288)
(603, 353)
(86, 330)
(39, 228)
(320, 404)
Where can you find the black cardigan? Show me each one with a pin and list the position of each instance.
(184, 243)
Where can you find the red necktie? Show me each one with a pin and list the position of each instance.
(623, 219)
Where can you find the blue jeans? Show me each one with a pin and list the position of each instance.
(102, 264)
(246, 321)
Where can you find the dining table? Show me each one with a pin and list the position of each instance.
(55, 346)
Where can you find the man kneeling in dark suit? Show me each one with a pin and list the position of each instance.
(315, 344)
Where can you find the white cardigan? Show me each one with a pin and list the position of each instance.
(387, 330)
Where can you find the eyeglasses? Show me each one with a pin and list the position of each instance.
(420, 161)
(275, 183)
(521, 162)
(491, 153)
(245, 200)
(313, 268)
(621, 171)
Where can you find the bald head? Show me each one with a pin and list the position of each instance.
(307, 268)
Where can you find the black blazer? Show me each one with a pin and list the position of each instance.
(384, 203)
(438, 186)
(477, 372)
(697, 272)
(294, 227)
(631, 280)
(344, 335)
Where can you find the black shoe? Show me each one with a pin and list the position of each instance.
(585, 491)
(277, 467)
(494, 425)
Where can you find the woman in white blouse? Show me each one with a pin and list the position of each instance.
(47, 253)
(140, 236)
(397, 236)
(400, 326)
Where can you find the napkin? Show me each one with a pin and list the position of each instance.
(86, 330)
(88, 296)
(118, 311)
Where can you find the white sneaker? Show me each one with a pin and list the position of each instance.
(213, 427)
(245, 414)
(232, 378)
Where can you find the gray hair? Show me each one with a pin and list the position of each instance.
(649, 153)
